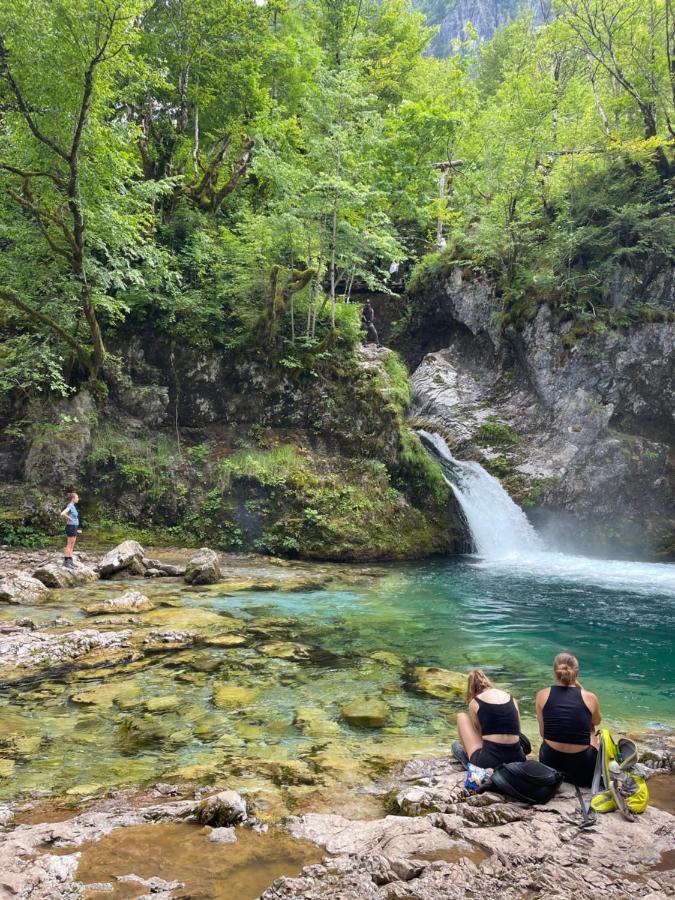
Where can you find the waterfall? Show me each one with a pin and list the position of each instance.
(498, 526)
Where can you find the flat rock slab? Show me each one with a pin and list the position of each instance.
(393, 836)
(56, 575)
(129, 602)
(531, 851)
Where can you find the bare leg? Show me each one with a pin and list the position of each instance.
(70, 546)
(468, 735)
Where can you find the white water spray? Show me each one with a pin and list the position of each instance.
(498, 526)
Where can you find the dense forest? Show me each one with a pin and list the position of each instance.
(229, 177)
(230, 171)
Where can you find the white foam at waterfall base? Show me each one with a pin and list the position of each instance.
(498, 526)
(506, 542)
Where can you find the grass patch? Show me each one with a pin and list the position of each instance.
(493, 433)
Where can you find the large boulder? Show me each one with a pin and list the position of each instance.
(439, 683)
(366, 712)
(56, 575)
(19, 587)
(126, 556)
(221, 810)
(203, 567)
(129, 602)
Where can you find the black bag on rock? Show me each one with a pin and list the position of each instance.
(528, 782)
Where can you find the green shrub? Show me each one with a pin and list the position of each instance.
(495, 433)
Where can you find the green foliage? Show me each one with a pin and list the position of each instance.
(147, 465)
(13, 534)
(499, 466)
(398, 383)
(269, 467)
(418, 473)
(496, 434)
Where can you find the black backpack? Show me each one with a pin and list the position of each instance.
(528, 782)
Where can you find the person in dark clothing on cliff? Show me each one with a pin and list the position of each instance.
(72, 517)
(368, 324)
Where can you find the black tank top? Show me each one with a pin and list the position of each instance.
(567, 719)
(498, 718)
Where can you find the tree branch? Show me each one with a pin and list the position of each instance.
(6, 73)
(36, 315)
(242, 165)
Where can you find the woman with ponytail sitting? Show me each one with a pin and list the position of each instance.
(490, 732)
(567, 716)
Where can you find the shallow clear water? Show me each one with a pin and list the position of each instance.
(510, 617)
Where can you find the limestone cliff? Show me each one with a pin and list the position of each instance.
(578, 427)
(236, 450)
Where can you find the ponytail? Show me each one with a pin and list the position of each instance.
(566, 669)
(477, 682)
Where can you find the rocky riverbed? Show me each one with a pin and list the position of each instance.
(145, 684)
(437, 843)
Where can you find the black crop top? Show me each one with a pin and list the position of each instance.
(498, 718)
(567, 719)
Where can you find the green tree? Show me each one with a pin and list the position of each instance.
(64, 154)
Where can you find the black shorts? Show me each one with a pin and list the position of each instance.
(577, 767)
(71, 530)
(491, 754)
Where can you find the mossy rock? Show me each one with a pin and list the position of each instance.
(442, 684)
(226, 640)
(366, 712)
(6, 768)
(104, 695)
(287, 650)
(162, 704)
(232, 696)
(19, 746)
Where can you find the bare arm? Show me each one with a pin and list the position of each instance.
(473, 713)
(542, 697)
(64, 513)
(593, 704)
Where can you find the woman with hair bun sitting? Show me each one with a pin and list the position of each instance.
(567, 717)
(490, 732)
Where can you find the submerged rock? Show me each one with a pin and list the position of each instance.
(366, 712)
(315, 722)
(55, 575)
(105, 695)
(129, 602)
(161, 704)
(439, 683)
(19, 587)
(222, 836)
(225, 808)
(226, 640)
(226, 696)
(203, 567)
(19, 746)
(287, 650)
(128, 554)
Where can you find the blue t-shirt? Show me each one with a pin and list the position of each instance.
(73, 515)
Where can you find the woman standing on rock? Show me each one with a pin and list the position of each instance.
(72, 517)
(490, 732)
(567, 716)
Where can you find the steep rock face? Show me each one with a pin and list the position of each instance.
(584, 433)
(485, 17)
(314, 460)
